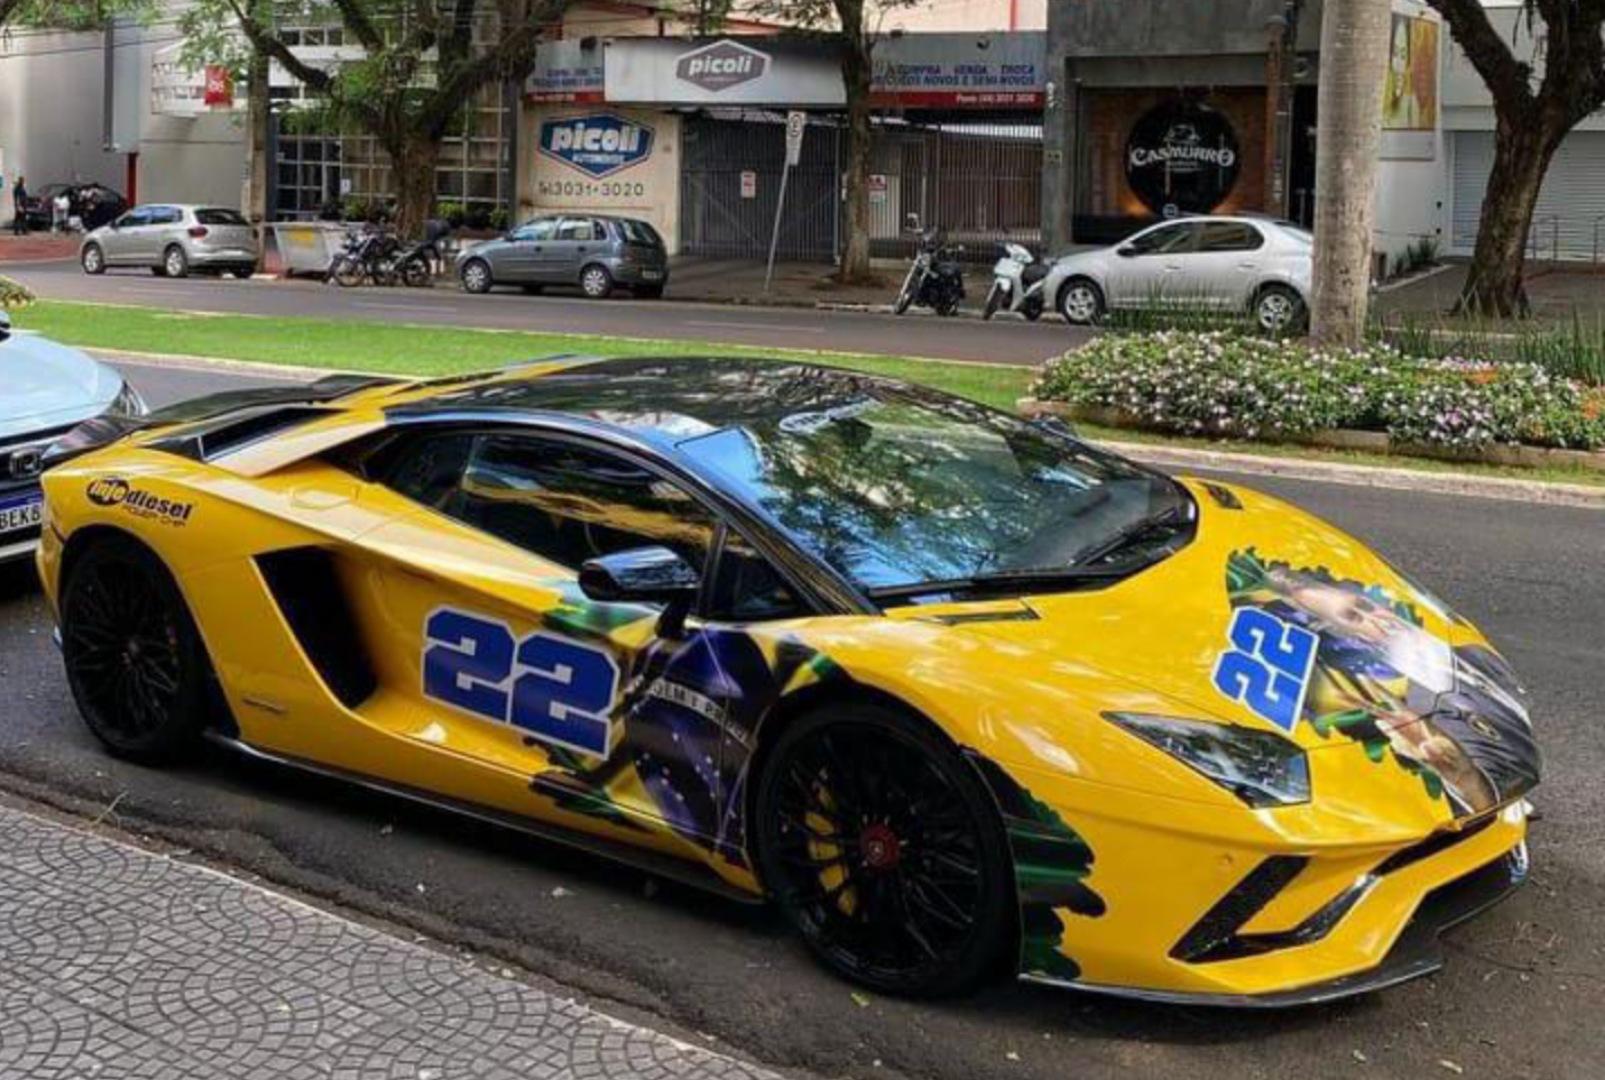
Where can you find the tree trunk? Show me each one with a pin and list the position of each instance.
(258, 116)
(856, 71)
(1354, 55)
(412, 165)
(1495, 285)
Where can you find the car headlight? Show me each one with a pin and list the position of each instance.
(127, 403)
(1259, 767)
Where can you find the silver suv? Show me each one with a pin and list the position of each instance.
(173, 240)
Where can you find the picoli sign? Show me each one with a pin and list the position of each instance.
(598, 145)
(1268, 666)
(558, 690)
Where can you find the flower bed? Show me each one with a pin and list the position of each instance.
(1225, 384)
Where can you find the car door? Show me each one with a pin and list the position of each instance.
(577, 239)
(165, 226)
(1223, 271)
(1148, 270)
(120, 243)
(519, 260)
(503, 660)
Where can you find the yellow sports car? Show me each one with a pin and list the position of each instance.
(956, 690)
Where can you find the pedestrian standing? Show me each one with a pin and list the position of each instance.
(60, 207)
(19, 207)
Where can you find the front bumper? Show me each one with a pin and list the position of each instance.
(1415, 952)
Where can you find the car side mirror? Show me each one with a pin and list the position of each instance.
(1127, 252)
(647, 575)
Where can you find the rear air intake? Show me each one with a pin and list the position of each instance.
(305, 585)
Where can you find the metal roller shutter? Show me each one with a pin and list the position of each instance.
(1570, 220)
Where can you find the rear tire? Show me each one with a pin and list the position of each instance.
(93, 259)
(1279, 311)
(134, 659)
(884, 849)
(346, 272)
(476, 276)
(648, 292)
(243, 273)
(415, 274)
(175, 264)
(595, 282)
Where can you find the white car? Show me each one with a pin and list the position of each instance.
(46, 390)
(1248, 264)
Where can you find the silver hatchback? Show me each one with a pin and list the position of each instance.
(172, 241)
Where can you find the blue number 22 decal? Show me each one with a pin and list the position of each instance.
(1268, 666)
(558, 690)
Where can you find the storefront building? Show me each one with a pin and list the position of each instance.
(1212, 109)
(689, 135)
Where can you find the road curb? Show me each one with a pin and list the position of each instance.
(1372, 476)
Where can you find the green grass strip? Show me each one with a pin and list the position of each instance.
(410, 349)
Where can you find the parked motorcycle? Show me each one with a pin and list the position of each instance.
(375, 255)
(936, 280)
(1017, 284)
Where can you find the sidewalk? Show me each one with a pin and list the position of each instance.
(807, 285)
(38, 247)
(1557, 290)
(118, 963)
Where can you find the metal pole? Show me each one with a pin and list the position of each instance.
(774, 236)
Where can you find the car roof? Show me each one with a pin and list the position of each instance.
(661, 401)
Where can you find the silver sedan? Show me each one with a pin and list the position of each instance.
(1228, 264)
(172, 241)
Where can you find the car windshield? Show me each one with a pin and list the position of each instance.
(898, 489)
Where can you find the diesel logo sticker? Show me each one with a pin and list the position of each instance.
(115, 491)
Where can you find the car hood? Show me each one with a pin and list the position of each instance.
(1272, 619)
(46, 385)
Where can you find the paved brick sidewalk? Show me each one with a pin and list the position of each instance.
(117, 963)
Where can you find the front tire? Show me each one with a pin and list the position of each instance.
(884, 849)
(415, 274)
(134, 660)
(476, 276)
(175, 264)
(994, 300)
(595, 282)
(93, 259)
(1081, 302)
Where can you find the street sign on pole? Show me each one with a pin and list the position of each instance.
(796, 127)
(796, 124)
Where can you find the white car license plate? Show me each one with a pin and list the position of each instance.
(18, 512)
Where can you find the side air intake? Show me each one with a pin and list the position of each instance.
(307, 589)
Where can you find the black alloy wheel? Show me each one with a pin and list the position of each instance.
(134, 659)
(886, 852)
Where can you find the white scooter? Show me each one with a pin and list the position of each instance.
(1017, 285)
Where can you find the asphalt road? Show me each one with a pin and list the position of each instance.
(1006, 340)
(1521, 997)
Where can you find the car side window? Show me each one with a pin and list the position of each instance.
(134, 218)
(747, 587)
(1166, 240)
(560, 502)
(1230, 236)
(165, 215)
(577, 229)
(536, 231)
